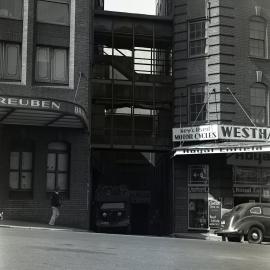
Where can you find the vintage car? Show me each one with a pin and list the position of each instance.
(249, 221)
(112, 208)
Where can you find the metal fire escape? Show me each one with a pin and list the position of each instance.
(132, 84)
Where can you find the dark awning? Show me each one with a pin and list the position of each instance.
(222, 148)
(16, 110)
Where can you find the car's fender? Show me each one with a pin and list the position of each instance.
(245, 225)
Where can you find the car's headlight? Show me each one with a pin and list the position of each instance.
(222, 222)
(104, 214)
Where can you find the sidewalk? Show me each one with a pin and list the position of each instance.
(195, 235)
(40, 226)
(35, 226)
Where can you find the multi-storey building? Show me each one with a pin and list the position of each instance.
(90, 97)
(44, 71)
(221, 108)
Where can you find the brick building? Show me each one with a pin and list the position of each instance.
(44, 66)
(221, 109)
(89, 98)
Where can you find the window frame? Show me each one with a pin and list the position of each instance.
(4, 76)
(257, 19)
(20, 170)
(14, 17)
(67, 3)
(50, 65)
(56, 171)
(202, 38)
(256, 106)
(201, 104)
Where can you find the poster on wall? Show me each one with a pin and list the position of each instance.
(214, 214)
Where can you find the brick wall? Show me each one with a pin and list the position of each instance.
(74, 211)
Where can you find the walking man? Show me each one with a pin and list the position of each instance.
(55, 204)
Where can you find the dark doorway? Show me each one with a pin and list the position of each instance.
(139, 218)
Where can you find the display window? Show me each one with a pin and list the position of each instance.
(198, 188)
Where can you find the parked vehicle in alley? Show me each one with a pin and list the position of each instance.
(249, 221)
(112, 208)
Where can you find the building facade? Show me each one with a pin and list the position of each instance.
(174, 107)
(44, 70)
(221, 109)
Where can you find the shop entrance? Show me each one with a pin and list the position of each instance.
(145, 177)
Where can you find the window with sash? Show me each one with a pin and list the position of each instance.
(12, 9)
(258, 103)
(257, 34)
(197, 38)
(51, 65)
(58, 167)
(21, 171)
(53, 12)
(10, 61)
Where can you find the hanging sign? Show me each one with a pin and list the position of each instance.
(221, 132)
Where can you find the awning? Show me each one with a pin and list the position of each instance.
(222, 148)
(16, 110)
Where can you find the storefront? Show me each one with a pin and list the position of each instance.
(217, 175)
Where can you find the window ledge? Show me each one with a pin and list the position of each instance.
(12, 83)
(64, 87)
(258, 58)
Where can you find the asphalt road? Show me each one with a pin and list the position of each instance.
(31, 249)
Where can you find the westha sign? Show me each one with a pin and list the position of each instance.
(223, 132)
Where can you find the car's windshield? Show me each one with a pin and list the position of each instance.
(116, 205)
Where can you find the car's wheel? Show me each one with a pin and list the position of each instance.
(255, 235)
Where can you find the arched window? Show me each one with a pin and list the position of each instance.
(257, 32)
(58, 166)
(258, 104)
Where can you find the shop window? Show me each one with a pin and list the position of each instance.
(51, 65)
(20, 171)
(258, 102)
(10, 61)
(58, 167)
(197, 38)
(198, 175)
(257, 32)
(198, 103)
(53, 12)
(11, 9)
(198, 187)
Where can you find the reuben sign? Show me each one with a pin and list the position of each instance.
(223, 132)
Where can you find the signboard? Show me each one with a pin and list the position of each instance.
(220, 149)
(214, 214)
(198, 133)
(43, 105)
(249, 159)
(243, 191)
(221, 132)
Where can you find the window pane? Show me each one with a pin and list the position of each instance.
(42, 64)
(62, 162)
(26, 180)
(26, 161)
(51, 162)
(11, 8)
(53, 12)
(14, 180)
(14, 160)
(57, 146)
(59, 65)
(62, 181)
(12, 60)
(50, 181)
